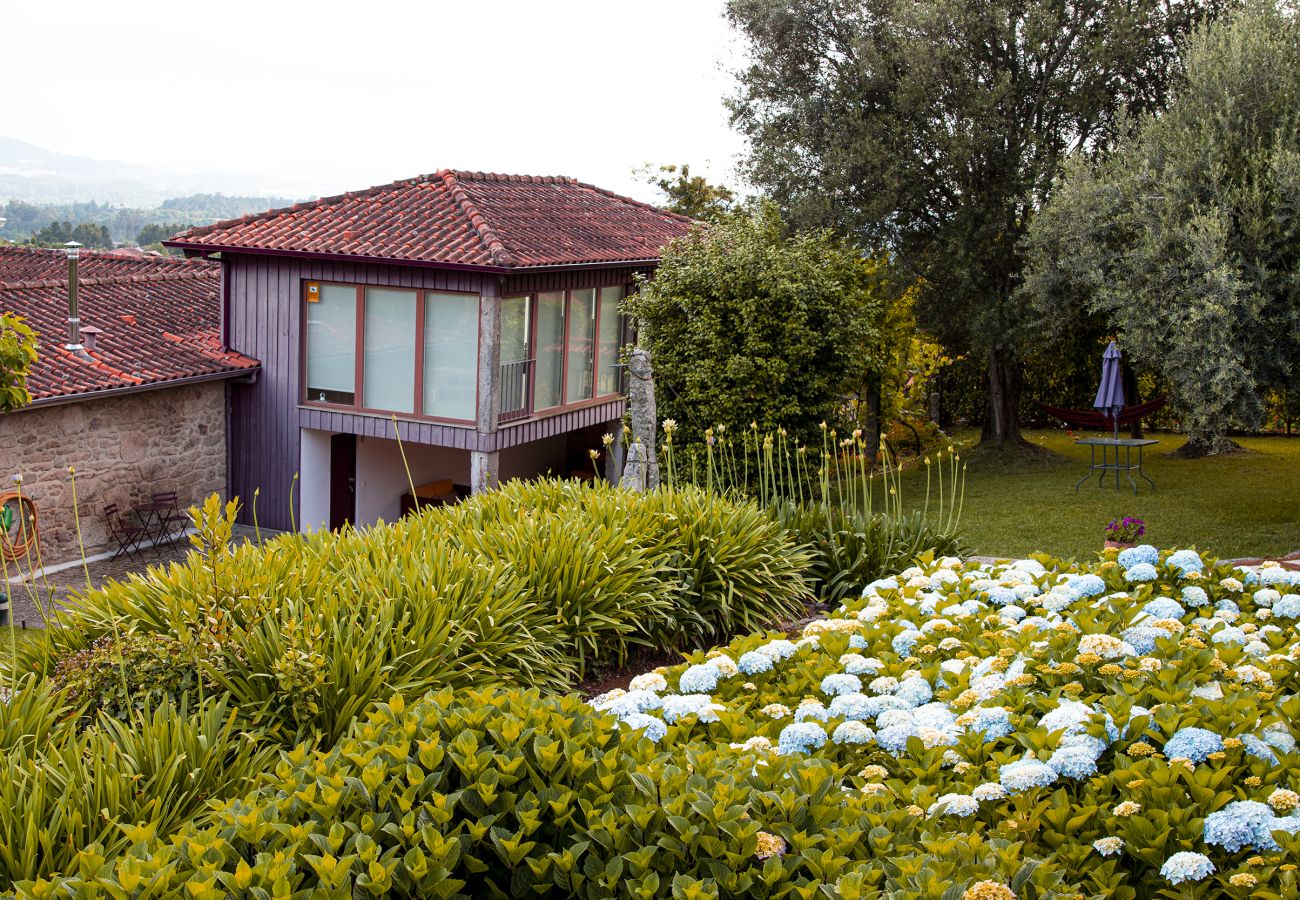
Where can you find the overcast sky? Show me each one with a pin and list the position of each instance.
(365, 92)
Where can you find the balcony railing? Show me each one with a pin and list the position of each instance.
(516, 390)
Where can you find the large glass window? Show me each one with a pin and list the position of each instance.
(582, 338)
(550, 349)
(332, 345)
(609, 341)
(388, 379)
(450, 355)
(516, 365)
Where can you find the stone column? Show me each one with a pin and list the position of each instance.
(484, 462)
(641, 408)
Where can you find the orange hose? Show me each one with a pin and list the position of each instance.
(28, 532)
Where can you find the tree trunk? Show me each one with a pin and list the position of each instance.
(871, 426)
(1129, 378)
(1002, 418)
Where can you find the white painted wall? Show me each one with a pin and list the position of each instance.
(382, 479)
(314, 480)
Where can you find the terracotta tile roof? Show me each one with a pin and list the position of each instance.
(159, 318)
(459, 218)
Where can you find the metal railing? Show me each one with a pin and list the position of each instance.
(516, 390)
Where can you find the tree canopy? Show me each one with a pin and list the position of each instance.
(17, 355)
(1187, 237)
(935, 128)
(687, 194)
(747, 322)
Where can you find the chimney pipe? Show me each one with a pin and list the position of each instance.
(89, 333)
(74, 321)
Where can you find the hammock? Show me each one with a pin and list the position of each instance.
(1096, 419)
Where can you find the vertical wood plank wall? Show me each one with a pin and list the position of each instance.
(264, 307)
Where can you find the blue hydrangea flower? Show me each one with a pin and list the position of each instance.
(801, 737)
(857, 642)
(1226, 605)
(1164, 608)
(1248, 576)
(632, 702)
(1186, 561)
(1288, 607)
(1070, 716)
(1229, 635)
(806, 711)
(904, 642)
(1266, 597)
(992, 721)
(754, 663)
(677, 706)
(1077, 761)
(962, 805)
(1258, 749)
(1279, 735)
(1187, 866)
(1001, 596)
(1277, 576)
(852, 732)
(841, 683)
(876, 706)
(857, 707)
(701, 678)
(856, 664)
(1143, 553)
(1195, 596)
(653, 728)
(1088, 585)
(1142, 638)
(1012, 612)
(880, 584)
(1141, 572)
(1193, 743)
(1243, 823)
(779, 649)
(1026, 774)
(914, 691)
(894, 737)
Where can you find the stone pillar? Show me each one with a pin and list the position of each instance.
(484, 464)
(483, 468)
(634, 475)
(641, 408)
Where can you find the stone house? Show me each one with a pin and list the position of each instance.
(141, 409)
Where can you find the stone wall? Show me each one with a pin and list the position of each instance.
(123, 448)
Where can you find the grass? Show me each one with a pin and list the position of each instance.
(9, 635)
(1241, 505)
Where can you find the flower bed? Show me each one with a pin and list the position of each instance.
(1133, 724)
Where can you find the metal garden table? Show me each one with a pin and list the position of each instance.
(1128, 467)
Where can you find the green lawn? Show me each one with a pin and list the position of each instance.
(1241, 505)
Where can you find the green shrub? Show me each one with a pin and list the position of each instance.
(108, 786)
(852, 548)
(512, 794)
(120, 673)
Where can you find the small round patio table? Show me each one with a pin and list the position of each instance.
(1128, 467)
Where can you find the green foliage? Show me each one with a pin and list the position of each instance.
(690, 195)
(937, 128)
(747, 322)
(120, 673)
(156, 232)
(17, 356)
(117, 782)
(88, 234)
(511, 794)
(1186, 237)
(306, 631)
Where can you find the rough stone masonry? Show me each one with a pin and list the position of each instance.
(124, 448)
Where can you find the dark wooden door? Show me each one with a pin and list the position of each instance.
(343, 479)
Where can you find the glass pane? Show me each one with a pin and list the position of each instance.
(389, 380)
(582, 332)
(550, 348)
(332, 345)
(516, 323)
(450, 355)
(611, 336)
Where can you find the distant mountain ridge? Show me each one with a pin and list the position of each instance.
(37, 175)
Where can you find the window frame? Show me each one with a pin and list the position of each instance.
(359, 353)
(597, 398)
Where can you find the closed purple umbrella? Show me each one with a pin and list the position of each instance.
(1110, 395)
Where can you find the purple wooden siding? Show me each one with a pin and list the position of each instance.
(264, 308)
(265, 323)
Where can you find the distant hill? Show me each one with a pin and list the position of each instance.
(36, 175)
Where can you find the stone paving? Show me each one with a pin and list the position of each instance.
(27, 600)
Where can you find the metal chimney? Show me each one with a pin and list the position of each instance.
(74, 320)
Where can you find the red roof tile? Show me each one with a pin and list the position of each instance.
(159, 320)
(459, 218)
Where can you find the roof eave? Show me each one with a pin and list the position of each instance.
(61, 399)
(206, 250)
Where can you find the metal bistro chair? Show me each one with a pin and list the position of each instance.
(172, 523)
(128, 536)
